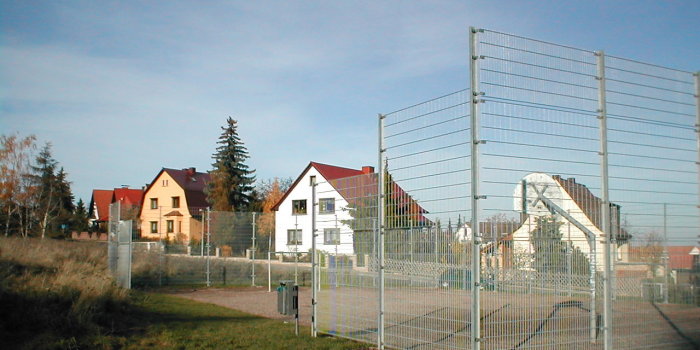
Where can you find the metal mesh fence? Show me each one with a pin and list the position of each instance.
(426, 155)
(540, 166)
(346, 247)
(653, 149)
(233, 251)
(554, 204)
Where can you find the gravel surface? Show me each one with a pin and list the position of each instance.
(637, 324)
(253, 300)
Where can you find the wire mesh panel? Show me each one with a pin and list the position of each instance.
(427, 239)
(346, 243)
(540, 171)
(232, 252)
(652, 143)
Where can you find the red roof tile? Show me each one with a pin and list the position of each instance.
(680, 257)
(101, 199)
(128, 196)
(355, 186)
(331, 172)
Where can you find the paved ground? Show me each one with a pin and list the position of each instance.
(253, 300)
(436, 318)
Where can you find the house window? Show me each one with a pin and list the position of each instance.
(170, 226)
(294, 237)
(331, 236)
(176, 202)
(154, 226)
(312, 180)
(165, 183)
(154, 203)
(299, 207)
(326, 206)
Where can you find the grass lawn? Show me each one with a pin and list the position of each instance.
(168, 322)
(59, 295)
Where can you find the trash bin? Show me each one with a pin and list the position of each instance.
(287, 298)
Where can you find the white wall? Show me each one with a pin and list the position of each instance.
(555, 192)
(285, 220)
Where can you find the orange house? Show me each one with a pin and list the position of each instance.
(173, 204)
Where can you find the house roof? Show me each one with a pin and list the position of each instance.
(192, 182)
(681, 257)
(128, 196)
(587, 201)
(329, 172)
(100, 199)
(357, 185)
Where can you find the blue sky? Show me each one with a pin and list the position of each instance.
(123, 89)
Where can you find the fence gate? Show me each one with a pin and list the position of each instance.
(531, 210)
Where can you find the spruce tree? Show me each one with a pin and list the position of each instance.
(54, 199)
(80, 217)
(65, 206)
(550, 251)
(232, 181)
(44, 180)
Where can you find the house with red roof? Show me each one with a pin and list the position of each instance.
(345, 206)
(98, 212)
(173, 204)
(130, 200)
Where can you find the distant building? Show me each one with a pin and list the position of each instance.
(130, 199)
(173, 204)
(98, 212)
(339, 192)
(572, 205)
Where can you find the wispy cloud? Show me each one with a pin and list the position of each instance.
(122, 89)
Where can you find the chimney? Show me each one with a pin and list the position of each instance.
(190, 171)
(367, 169)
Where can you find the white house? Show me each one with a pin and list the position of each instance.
(572, 205)
(336, 187)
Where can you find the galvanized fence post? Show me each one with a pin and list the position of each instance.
(314, 264)
(380, 232)
(253, 253)
(697, 132)
(475, 196)
(666, 256)
(269, 271)
(605, 203)
(208, 247)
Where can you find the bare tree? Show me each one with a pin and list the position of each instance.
(15, 189)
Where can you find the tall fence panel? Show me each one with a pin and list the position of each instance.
(346, 249)
(230, 248)
(541, 178)
(653, 149)
(552, 204)
(427, 205)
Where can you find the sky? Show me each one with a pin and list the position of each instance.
(123, 89)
